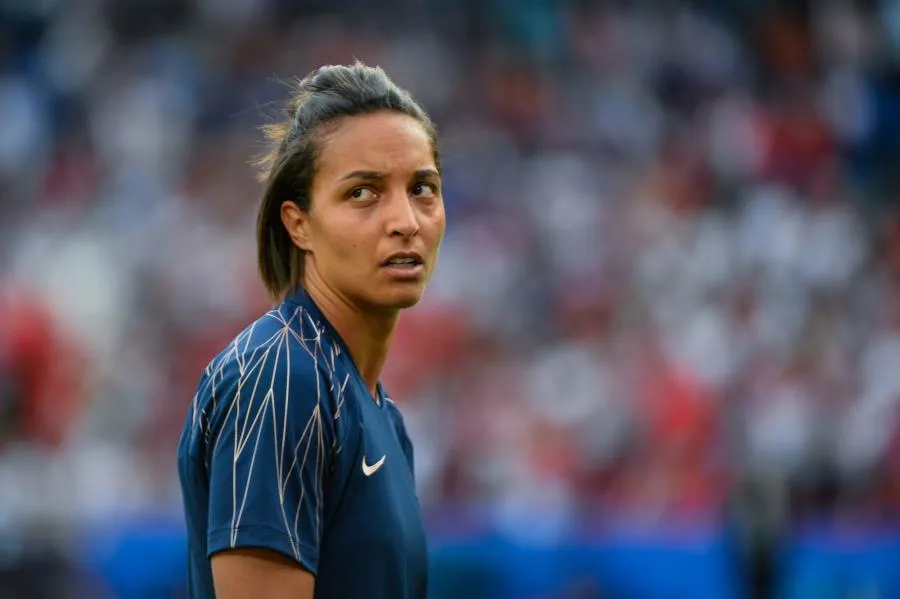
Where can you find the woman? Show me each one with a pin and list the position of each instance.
(296, 469)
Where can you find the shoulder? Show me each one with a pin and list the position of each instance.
(283, 341)
(281, 359)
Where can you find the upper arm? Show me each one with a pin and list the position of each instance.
(268, 462)
(245, 573)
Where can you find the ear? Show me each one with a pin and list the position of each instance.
(296, 222)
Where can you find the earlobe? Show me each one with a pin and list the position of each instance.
(296, 223)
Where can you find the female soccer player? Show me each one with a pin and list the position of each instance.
(296, 469)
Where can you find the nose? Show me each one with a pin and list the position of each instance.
(402, 219)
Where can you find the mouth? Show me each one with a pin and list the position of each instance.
(404, 265)
(403, 260)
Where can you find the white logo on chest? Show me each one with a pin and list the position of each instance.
(370, 470)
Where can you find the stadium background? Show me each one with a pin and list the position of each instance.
(661, 356)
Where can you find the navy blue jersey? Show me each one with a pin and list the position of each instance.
(285, 448)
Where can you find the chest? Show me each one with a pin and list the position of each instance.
(380, 484)
(377, 513)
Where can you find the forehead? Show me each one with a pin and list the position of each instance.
(386, 142)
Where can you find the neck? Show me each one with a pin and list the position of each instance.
(367, 335)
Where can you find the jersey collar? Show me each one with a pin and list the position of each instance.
(300, 297)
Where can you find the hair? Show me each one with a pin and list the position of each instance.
(318, 103)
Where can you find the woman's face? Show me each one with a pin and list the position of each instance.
(376, 218)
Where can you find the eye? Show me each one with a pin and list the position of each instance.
(424, 190)
(362, 194)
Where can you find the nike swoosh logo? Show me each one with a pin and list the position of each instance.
(370, 470)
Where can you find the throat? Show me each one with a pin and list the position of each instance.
(369, 353)
(367, 335)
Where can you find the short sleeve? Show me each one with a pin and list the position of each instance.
(268, 462)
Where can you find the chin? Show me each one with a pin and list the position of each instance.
(400, 299)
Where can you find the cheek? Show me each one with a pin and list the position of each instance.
(350, 247)
(336, 234)
(437, 224)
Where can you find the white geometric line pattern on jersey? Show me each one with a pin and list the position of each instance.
(255, 401)
(370, 470)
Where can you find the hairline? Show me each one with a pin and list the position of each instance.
(324, 130)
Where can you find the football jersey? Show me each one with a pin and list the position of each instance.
(285, 448)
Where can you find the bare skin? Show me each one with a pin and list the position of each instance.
(376, 192)
(260, 574)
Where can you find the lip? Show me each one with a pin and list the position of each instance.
(400, 255)
(404, 273)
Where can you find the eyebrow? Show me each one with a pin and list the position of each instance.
(424, 173)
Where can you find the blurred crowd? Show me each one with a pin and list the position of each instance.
(670, 282)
